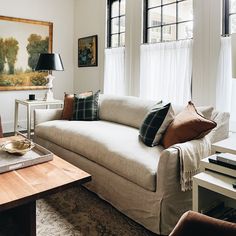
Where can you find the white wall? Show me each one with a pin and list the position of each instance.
(90, 19)
(207, 32)
(206, 49)
(61, 13)
(132, 45)
(74, 19)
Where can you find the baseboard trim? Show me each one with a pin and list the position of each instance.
(8, 134)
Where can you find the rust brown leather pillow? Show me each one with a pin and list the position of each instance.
(68, 107)
(187, 125)
(67, 112)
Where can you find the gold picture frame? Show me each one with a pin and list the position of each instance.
(21, 42)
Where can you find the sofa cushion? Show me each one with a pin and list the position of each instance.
(114, 146)
(86, 108)
(155, 124)
(67, 112)
(187, 125)
(124, 109)
(205, 110)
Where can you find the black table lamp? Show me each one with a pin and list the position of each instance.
(49, 62)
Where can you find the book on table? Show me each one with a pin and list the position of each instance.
(227, 158)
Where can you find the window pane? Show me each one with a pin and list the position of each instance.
(154, 17)
(168, 1)
(169, 14)
(122, 39)
(115, 8)
(122, 7)
(232, 6)
(115, 40)
(122, 24)
(185, 10)
(233, 24)
(185, 30)
(154, 35)
(169, 32)
(154, 3)
(115, 25)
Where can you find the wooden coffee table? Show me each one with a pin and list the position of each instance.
(20, 189)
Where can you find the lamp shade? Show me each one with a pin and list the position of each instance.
(233, 54)
(49, 61)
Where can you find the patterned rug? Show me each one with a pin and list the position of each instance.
(79, 212)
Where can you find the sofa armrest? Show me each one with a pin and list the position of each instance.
(168, 173)
(195, 224)
(43, 115)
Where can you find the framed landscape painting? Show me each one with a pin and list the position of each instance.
(87, 51)
(21, 42)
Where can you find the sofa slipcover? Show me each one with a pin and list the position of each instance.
(142, 182)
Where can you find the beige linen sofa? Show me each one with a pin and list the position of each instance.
(140, 181)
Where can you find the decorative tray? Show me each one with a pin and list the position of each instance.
(12, 161)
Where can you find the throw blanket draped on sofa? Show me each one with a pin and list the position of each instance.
(190, 154)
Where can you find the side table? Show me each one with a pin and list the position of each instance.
(29, 104)
(227, 145)
(214, 184)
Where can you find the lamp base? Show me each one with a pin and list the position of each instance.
(48, 96)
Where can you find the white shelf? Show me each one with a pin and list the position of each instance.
(226, 145)
(206, 165)
(216, 182)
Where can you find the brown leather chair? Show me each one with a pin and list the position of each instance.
(196, 224)
(1, 132)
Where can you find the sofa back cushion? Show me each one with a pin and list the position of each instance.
(131, 111)
(125, 110)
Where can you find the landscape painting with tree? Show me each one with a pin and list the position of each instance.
(21, 42)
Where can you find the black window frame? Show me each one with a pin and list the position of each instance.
(109, 23)
(145, 19)
(226, 27)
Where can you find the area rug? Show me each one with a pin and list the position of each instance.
(79, 212)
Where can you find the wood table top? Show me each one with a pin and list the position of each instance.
(34, 182)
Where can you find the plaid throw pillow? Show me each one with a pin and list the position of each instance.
(67, 112)
(155, 124)
(86, 108)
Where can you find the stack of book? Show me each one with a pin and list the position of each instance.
(224, 159)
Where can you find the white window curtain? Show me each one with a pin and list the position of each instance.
(114, 74)
(224, 78)
(166, 71)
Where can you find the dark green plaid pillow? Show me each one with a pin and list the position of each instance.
(86, 108)
(155, 124)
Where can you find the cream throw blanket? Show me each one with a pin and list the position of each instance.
(190, 154)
